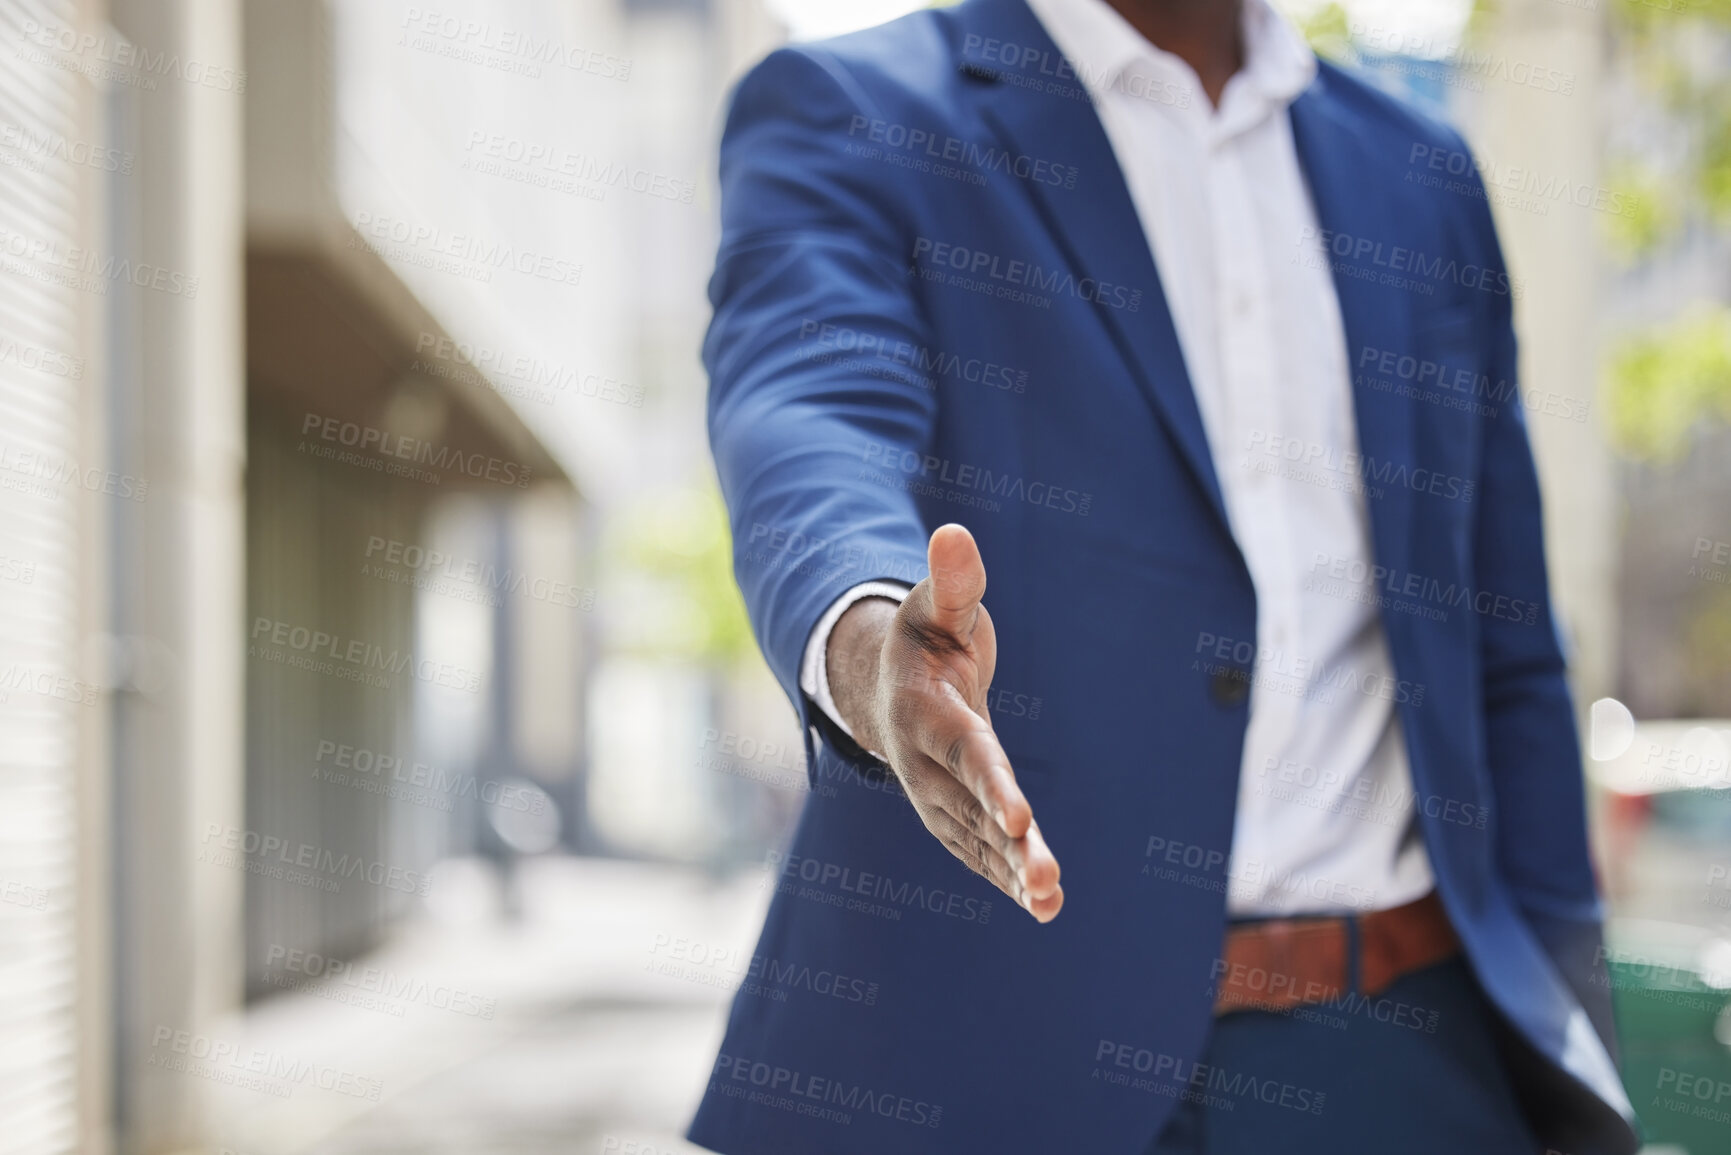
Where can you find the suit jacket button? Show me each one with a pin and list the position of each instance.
(1229, 687)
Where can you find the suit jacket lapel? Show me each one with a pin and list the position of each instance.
(1335, 163)
(1096, 224)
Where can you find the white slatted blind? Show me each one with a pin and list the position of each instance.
(41, 697)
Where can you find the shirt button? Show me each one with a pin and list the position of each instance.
(1229, 687)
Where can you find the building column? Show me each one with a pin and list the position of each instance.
(179, 559)
(1531, 140)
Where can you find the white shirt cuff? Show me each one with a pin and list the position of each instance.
(814, 667)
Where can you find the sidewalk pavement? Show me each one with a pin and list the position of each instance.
(588, 1025)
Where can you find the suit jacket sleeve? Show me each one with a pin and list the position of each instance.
(814, 400)
(1532, 747)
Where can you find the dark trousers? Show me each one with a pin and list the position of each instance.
(1416, 1070)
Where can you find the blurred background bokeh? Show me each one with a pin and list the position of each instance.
(385, 763)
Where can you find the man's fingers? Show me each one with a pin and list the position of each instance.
(958, 580)
(984, 856)
(955, 815)
(1040, 867)
(979, 855)
(962, 742)
(961, 779)
(1044, 908)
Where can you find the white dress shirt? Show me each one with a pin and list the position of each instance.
(1326, 812)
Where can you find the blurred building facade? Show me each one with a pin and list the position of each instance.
(317, 389)
(284, 545)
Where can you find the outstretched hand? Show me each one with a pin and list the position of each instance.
(911, 683)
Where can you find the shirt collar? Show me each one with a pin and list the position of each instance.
(1100, 44)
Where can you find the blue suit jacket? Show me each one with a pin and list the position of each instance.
(934, 302)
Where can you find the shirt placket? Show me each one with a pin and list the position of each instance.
(1256, 412)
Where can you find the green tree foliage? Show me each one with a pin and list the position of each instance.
(1660, 382)
(675, 545)
(1667, 378)
(1328, 31)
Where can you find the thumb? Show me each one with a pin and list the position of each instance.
(958, 580)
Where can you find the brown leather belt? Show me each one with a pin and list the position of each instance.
(1280, 963)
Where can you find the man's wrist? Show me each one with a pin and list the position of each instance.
(854, 651)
